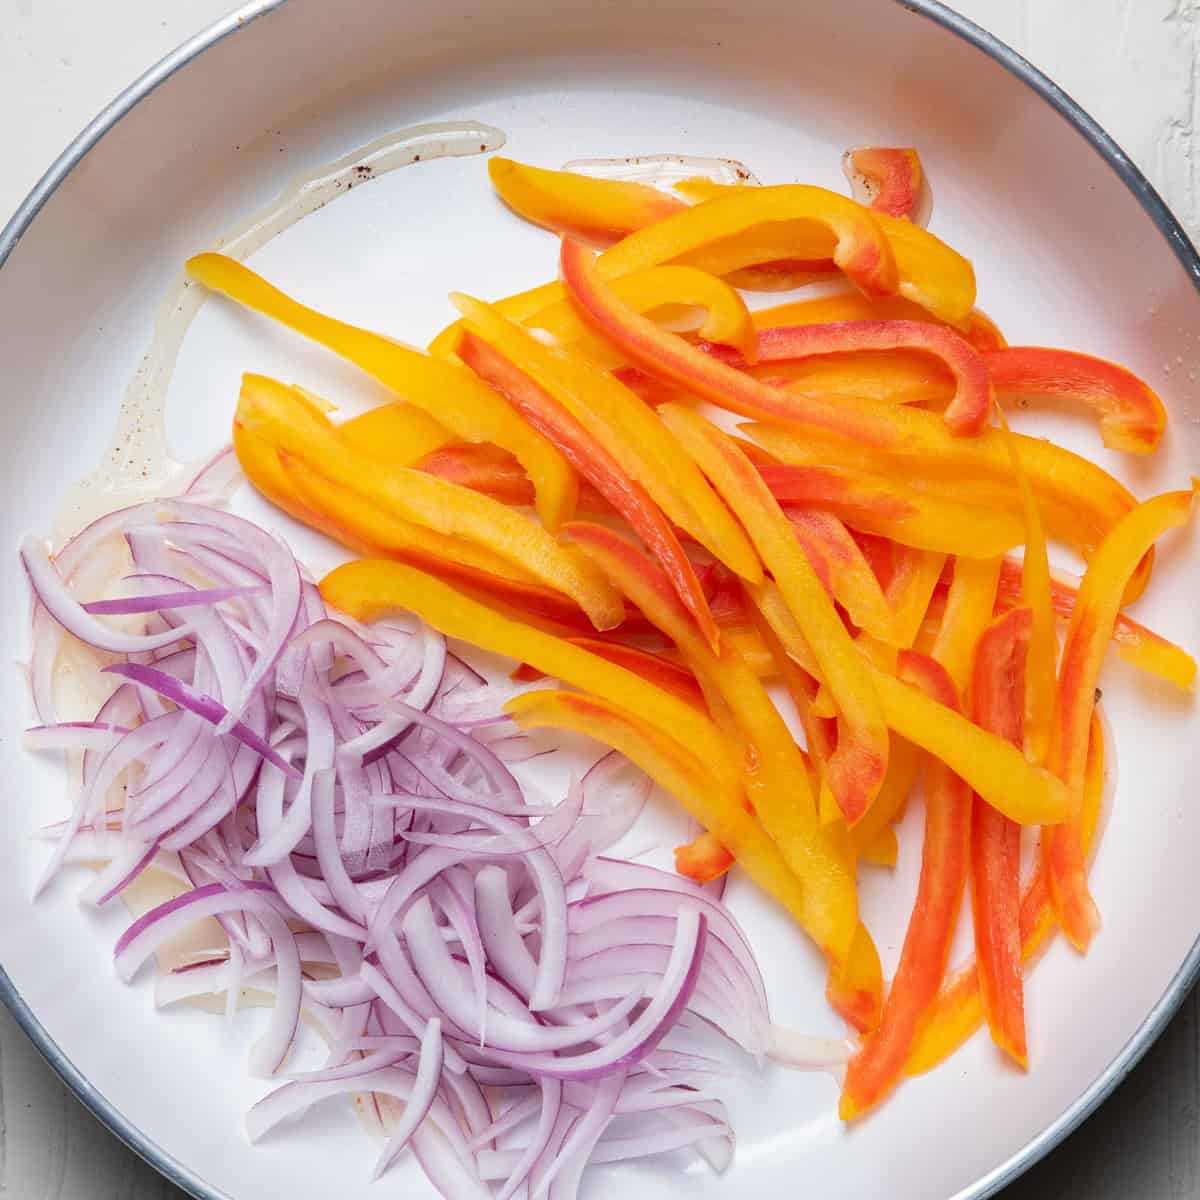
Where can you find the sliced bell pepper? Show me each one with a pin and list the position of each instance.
(727, 320)
(398, 434)
(996, 770)
(598, 467)
(968, 611)
(886, 179)
(271, 410)
(1145, 649)
(958, 1012)
(703, 859)
(879, 1064)
(914, 575)
(904, 764)
(998, 705)
(653, 668)
(623, 426)
(681, 772)
(971, 402)
(979, 329)
(1132, 417)
(600, 211)
(1041, 660)
(843, 570)
(1088, 635)
(450, 394)
(885, 505)
(1079, 501)
(857, 766)
(367, 589)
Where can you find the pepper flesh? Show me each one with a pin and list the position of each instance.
(623, 426)
(857, 766)
(885, 178)
(879, 1064)
(968, 610)
(998, 705)
(450, 394)
(271, 410)
(1132, 417)
(398, 434)
(599, 468)
(703, 859)
(1088, 635)
(958, 1012)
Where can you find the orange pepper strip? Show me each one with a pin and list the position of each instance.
(887, 179)
(399, 434)
(1145, 649)
(1042, 659)
(630, 432)
(971, 403)
(1088, 635)
(968, 610)
(998, 771)
(367, 589)
(843, 570)
(703, 859)
(602, 471)
(904, 763)
(879, 1063)
(998, 705)
(857, 767)
(272, 411)
(958, 1012)
(889, 507)
(450, 394)
(979, 329)
(1079, 501)
(1132, 417)
(600, 211)
(915, 574)
(684, 774)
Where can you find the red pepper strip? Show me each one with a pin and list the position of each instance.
(598, 467)
(998, 705)
(1088, 635)
(1147, 650)
(1132, 417)
(496, 473)
(703, 859)
(843, 569)
(653, 668)
(879, 1063)
(971, 404)
(958, 1012)
(668, 356)
(884, 178)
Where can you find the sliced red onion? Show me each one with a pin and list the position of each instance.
(158, 602)
(424, 1093)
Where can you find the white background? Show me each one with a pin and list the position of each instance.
(1134, 66)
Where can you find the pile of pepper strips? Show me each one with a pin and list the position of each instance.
(545, 488)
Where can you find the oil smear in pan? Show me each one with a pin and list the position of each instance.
(138, 465)
(664, 171)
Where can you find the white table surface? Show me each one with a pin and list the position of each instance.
(1136, 69)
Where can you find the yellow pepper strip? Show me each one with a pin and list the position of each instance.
(958, 1011)
(398, 434)
(448, 392)
(1041, 661)
(882, 851)
(272, 411)
(727, 320)
(682, 772)
(1088, 635)
(629, 431)
(858, 765)
(892, 509)
(1079, 501)
(994, 768)
(969, 609)
(598, 210)
(368, 589)
(776, 780)
(979, 329)
(910, 589)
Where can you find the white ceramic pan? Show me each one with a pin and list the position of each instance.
(1071, 245)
